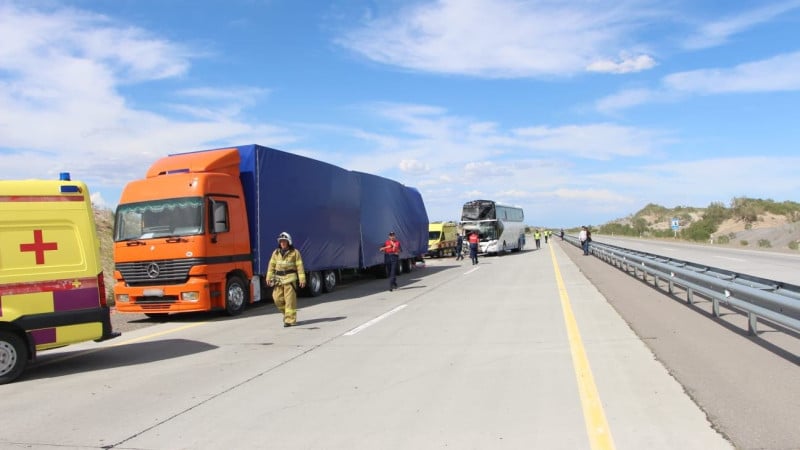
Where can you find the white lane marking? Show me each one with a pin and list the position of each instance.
(731, 259)
(470, 271)
(374, 321)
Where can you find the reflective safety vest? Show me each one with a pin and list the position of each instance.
(286, 268)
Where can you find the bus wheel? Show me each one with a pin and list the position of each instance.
(235, 296)
(13, 356)
(329, 281)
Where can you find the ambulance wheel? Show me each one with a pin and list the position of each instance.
(329, 281)
(13, 356)
(314, 284)
(235, 296)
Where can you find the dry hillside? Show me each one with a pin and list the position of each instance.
(748, 223)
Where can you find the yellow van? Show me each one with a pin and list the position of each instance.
(51, 280)
(442, 238)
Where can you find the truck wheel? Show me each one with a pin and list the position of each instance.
(406, 266)
(235, 296)
(329, 281)
(13, 356)
(314, 284)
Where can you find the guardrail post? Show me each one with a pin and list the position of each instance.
(689, 296)
(671, 287)
(715, 306)
(752, 324)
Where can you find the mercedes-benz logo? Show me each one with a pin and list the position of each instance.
(153, 270)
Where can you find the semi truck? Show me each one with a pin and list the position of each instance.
(197, 233)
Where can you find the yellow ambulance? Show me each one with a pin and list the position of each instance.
(442, 239)
(51, 280)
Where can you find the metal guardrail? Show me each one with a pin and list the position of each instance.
(759, 298)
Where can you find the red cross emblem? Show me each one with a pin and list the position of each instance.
(38, 246)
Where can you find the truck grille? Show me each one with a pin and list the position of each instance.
(151, 273)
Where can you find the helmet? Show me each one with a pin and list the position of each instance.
(285, 236)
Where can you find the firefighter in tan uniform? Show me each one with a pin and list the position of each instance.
(284, 274)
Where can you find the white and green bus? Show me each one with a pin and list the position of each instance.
(501, 228)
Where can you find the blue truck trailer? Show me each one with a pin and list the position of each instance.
(198, 232)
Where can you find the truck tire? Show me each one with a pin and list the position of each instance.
(329, 281)
(314, 284)
(13, 356)
(235, 295)
(405, 266)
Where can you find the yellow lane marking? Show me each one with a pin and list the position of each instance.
(119, 343)
(593, 414)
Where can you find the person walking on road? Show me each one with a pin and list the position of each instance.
(284, 273)
(537, 237)
(459, 247)
(473, 246)
(391, 249)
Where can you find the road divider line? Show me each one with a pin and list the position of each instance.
(373, 321)
(470, 271)
(593, 414)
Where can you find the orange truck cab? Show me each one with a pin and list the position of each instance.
(181, 237)
(51, 279)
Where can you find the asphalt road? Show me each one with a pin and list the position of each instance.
(542, 349)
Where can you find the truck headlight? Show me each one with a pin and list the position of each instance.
(190, 296)
(123, 298)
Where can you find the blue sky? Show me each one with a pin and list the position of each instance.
(579, 111)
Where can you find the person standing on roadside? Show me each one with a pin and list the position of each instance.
(284, 273)
(537, 237)
(391, 248)
(459, 247)
(583, 236)
(473, 246)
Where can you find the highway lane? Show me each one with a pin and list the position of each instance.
(777, 266)
(520, 351)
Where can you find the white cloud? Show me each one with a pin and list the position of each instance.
(413, 165)
(779, 73)
(776, 74)
(625, 99)
(595, 141)
(499, 38)
(62, 72)
(625, 64)
(718, 32)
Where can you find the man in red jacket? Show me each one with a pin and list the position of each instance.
(391, 248)
(473, 246)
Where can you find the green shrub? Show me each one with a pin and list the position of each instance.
(794, 245)
(723, 240)
(764, 243)
(744, 243)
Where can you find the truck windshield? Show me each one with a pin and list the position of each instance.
(159, 218)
